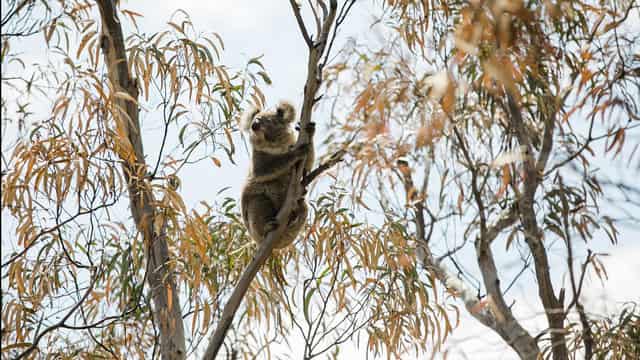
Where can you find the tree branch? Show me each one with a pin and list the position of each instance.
(335, 158)
(493, 311)
(316, 17)
(264, 251)
(554, 308)
(295, 190)
(303, 29)
(587, 336)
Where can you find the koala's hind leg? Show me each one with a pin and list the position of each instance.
(297, 220)
(259, 216)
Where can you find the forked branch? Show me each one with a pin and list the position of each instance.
(492, 311)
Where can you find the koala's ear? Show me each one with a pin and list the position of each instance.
(286, 111)
(247, 117)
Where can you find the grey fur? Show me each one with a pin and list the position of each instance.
(272, 160)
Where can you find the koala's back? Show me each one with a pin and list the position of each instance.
(261, 202)
(275, 189)
(262, 198)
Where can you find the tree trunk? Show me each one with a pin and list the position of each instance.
(166, 305)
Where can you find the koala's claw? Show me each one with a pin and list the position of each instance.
(311, 128)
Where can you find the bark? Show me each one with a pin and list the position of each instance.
(553, 305)
(506, 324)
(493, 312)
(161, 280)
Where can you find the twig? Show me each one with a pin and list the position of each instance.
(315, 16)
(303, 28)
(55, 228)
(335, 158)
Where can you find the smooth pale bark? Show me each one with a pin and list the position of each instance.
(553, 305)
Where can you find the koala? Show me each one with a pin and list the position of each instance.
(272, 161)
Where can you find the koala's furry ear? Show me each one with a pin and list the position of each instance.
(286, 111)
(247, 117)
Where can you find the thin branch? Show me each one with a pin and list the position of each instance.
(323, 7)
(316, 17)
(54, 229)
(587, 336)
(34, 344)
(342, 15)
(12, 12)
(335, 158)
(303, 29)
(575, 154)
(547, 136)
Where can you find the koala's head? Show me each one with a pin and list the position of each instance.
(270, 131)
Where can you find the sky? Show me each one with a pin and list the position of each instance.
(254, 28)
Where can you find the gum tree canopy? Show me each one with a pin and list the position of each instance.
(478, 160)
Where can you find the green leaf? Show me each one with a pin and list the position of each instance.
(307, 301)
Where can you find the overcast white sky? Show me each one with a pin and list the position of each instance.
(252, 28)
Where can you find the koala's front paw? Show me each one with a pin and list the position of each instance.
(311, 128)
(270, 226)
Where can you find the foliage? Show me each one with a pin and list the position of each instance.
(491, 116)
(472, 126)
(618, 337)
(64, 185)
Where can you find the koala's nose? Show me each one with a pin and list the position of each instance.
(255, 126)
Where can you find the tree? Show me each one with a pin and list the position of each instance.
(70, 172)
(65, 180)
(471, 117)
(485, 113)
